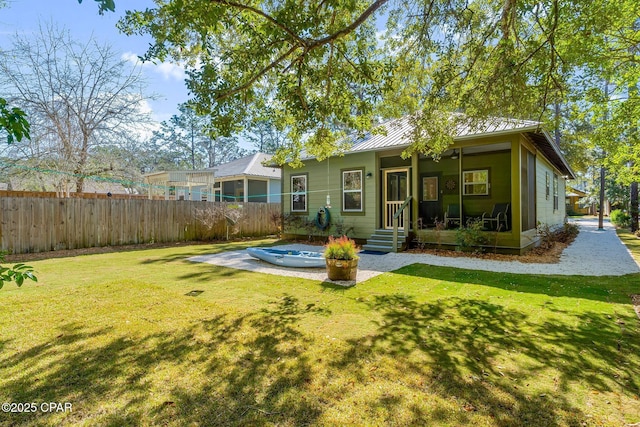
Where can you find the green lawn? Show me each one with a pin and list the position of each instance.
(115, 335)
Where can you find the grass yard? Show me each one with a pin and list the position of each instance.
(114, 335)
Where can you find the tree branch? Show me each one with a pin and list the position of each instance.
(252, 80)
(265, 16)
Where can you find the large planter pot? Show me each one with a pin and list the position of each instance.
(340, 269)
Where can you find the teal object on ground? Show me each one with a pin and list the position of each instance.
(289, 258)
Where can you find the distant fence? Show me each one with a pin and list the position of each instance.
(34, 224)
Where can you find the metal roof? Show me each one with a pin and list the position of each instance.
(397, 133)
(250, 165)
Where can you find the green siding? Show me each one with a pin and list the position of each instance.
(326, 178)
(497, 163)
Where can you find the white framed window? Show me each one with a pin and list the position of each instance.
(475, 183)
(298, 193)
(555, 192)
(352, 190)
(547, 185)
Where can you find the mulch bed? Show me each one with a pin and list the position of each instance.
(536, 255)
(64, 253)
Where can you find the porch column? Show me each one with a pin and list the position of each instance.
(268, 191)
(246, 189)
(516, 189)
(460, 189)
(415, 203)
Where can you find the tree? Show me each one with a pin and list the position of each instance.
(326, 71)
(78, 96)
(265, 137)
(193, 143)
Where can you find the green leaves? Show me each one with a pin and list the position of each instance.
(19, 273)
(104, 6)
(327, 69)
(14, 122)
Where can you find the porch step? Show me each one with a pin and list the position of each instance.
(382, 241)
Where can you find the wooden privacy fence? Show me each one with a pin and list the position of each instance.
(29, 224)
(62, 194)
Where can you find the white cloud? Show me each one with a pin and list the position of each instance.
(168, 70)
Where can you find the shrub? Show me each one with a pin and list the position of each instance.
(564, 234)
(341, 248)
(567, 233)
(620, 218)
(218, 221)
(472, 235)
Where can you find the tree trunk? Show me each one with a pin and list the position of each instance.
(633, 209)
(601, 213)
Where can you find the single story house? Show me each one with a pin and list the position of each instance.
(574, 206)
(248, 180)
(508, 167)
(242, 180)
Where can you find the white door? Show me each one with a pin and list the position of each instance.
(396, 191)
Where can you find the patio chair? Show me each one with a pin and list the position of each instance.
(499, 215)
(452, 215)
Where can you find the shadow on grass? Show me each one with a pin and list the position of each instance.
(260, 368)
(611, 289)
(209, 248)
(457, 345)
(249, 367)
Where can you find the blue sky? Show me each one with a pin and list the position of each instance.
(83, 21)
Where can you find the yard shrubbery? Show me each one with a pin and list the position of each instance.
(549, 236)
(471, 236)
(620, 218)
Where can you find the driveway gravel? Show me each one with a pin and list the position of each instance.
(593, 253)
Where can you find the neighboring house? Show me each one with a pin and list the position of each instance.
(574, 206)
(510, 162)
(181, 185)
(241, 180)
(248, 180)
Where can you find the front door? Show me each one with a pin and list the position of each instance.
(396, 191)
(430, 200)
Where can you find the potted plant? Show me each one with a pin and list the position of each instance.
(341, 258)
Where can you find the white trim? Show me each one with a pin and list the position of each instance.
(305, 193)
(361, 191)
(485, 183)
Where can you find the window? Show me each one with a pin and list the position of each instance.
(352, 191)
(233, 191)
(555, 192)
(547, 186)
(298, 193)
(475, 183)
(430, 189)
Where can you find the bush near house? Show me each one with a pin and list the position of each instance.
(620, 218)
(549, 236)
(471, 236)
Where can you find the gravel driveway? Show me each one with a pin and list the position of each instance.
(593, 253)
